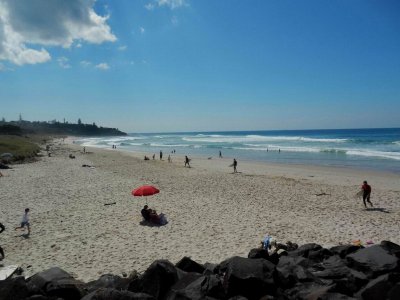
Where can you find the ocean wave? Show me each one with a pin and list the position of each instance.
(396, 143)
(371, 153)
(257, 138)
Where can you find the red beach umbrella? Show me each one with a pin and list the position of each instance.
(145, 190)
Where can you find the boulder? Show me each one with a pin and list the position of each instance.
(13, 288)
(379, 287)
(373, 261)
(157, 279)
(55, 282)
(108, 281)
(319, 255)
(310, 291)
(202, 287)
(394, 293)
(344, 250)
(251, 278)
(258, 253)
(210, 268)
(291, 270)
(112, 294)
(304, 250)
(392, 248)
(188, 265)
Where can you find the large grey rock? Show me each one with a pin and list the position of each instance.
(112, 294)
(379, 287)
(291, 270)
(55, 282)
(193, 286)
(108, 281)
(374, 261)
(305, 249)
(13, 288)
(157, 279)
(251, 278)
(344, 250)
(188, 265)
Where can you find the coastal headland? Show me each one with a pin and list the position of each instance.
(213, 214)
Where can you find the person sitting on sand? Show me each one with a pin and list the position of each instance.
(2, 228)
(366, 188)
(145, 213)
(25, 221)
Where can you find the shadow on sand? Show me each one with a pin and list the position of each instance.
(381, 209)
(150, 224)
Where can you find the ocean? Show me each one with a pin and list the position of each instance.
(376, 149)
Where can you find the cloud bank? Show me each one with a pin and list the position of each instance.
(27, 26)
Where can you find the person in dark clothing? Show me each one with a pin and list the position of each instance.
(160, 155)
(145, 213)
(366, 188)
(234, 165)
(2, 228)
(187, 161)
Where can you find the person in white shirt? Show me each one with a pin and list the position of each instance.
(25, 221)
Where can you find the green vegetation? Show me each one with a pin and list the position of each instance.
(22, 148)
(57, 128)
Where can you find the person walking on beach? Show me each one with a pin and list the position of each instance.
(25, 221)
(366, 188)
(220, 154)
(169, 158)
(160, 155)
(234, 165)
(2, 228)
(187, 160)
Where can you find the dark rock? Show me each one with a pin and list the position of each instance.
(55, 282)
(319, 255)
(112, 294)
(394, 293)
(373, 261)
(243, 298)
(188, 265)
(258, 253)
(202, 287)
(344, 250)
(108, 281)
(392, 248)
(210, 268)
(13, 288)
(251, 278)
(291, 270)
(37, 297)
(379, 287)
(304, 250)
(335, 296)
(157, 279)
(310, 290)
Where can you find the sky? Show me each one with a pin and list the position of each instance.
(204, 65)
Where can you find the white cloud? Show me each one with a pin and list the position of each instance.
(79, 45)
(122, 48)
(149, 6)
(142, 30)
(85, 63)
(172, 4)
(43, 23)
(63, 62)
(102, 66)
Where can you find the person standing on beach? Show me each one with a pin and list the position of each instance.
(187, 160)
(160, 155)
(366, 188)
(2, 228)
(220, 154)
(234, 165)
(25, 221)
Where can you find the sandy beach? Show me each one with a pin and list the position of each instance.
(213, 214)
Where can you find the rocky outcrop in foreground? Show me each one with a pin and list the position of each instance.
(307, 272)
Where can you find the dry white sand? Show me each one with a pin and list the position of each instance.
(213, 214)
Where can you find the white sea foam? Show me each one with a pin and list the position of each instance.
(371, 153)
(256, 138)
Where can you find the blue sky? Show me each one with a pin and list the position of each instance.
(185, 65)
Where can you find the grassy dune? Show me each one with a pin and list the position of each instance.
(22, 148)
